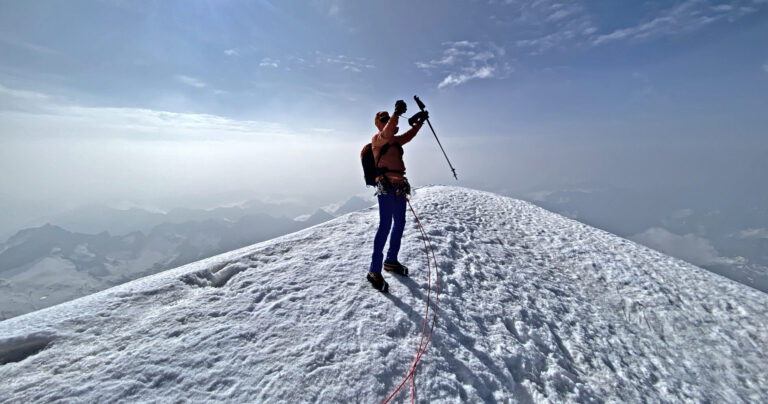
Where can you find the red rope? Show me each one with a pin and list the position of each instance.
(422, 343)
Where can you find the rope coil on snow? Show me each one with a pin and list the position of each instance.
(422, 343)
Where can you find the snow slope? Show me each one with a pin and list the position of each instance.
(534, 307)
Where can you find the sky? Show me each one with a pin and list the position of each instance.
(184, 100)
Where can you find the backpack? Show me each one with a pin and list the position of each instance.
(370, 166)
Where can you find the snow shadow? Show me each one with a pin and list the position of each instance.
(216, 276)
(17, 349)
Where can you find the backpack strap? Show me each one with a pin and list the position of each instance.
(383, 151)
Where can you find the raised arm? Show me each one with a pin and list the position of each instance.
(416, 121)
(389, 129)
(409, 135)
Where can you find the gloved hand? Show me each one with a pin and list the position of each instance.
(400, 107)
(418, 118)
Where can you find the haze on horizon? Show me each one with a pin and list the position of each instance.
(184, 102)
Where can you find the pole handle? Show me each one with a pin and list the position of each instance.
(419, 103)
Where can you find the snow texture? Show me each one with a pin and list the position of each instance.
(534, 307)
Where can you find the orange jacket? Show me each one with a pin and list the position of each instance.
(392, 158)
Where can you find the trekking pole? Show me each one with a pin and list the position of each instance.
(421, 106)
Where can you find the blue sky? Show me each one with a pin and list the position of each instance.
(325, 61)
(123, 99)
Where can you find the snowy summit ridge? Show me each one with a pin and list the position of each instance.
(533, 307)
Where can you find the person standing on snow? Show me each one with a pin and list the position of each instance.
(392, 189)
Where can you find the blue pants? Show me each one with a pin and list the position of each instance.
(390, 207)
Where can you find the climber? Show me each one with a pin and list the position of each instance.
(392, 189)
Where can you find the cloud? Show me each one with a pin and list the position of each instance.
(231, 52)
(667, 23)
(563, 11)
(536, 11)
(765, 67)
(10, 93)
(269, 62)
(191, 81)
(564, 24)
(682, 213)
(333, 11)
(678, 217)
(544, 43)
(197, 83)
(451, 55)
(690, 247)
(723, 7)
(348, 63)
(355, 64)
(454, 79)
(464, 61)
(29, 46)
(17, 100)
(44, 116)
(336, 11)
(758, 233)
(551, 23)
(689, 16)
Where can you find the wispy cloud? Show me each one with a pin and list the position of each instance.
(25, 95)
(464, 61)
(454, 79)
(23, 100)
(569, 24)
(37, 48)
(553, 23)
(47, 116)
(333, 11)
(316, 60)
(686, 17)
(451, 55)
(191, 81)
(559, 11)
(231, 52)
(269, 62)
(338, 12)
(758, 233)
(348, 63)
(536, 11)
(765, 67)
(555, 39)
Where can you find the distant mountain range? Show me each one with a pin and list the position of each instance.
(98, 218)
(50, 264)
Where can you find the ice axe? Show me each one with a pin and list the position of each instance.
(422, 107)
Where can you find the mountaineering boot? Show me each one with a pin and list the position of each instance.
(377, 281)
(396, 267)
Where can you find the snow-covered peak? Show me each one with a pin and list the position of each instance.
(533, 307)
